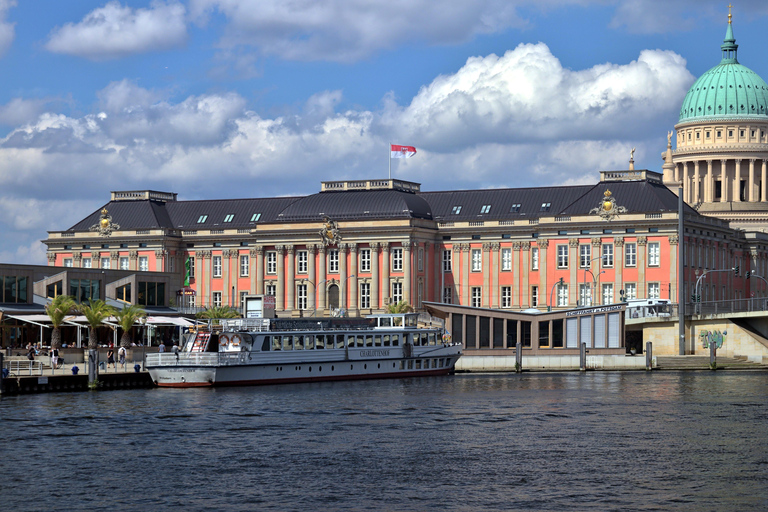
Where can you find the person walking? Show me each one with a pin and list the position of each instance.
(54, 358)
(121, 356)
(111, 358)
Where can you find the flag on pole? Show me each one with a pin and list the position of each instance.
(397, 151)
(186, 272)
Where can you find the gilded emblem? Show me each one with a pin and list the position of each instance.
(608, 209)
(330, 232)
(105, 226)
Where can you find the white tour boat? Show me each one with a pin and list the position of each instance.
(272, 351)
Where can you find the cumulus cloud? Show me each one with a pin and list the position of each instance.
(115, 31)
(7, 32)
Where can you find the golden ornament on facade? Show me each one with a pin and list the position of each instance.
(608, 209)
(105, 226)
(330, 233)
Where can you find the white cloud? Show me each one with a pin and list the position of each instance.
(115, 31)
(20, 111)
(7, 31)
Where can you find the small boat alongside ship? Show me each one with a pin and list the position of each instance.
(272, 351)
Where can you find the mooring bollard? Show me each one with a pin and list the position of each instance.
(518, 357)
(649, 356)
(583, 357)
(93, 366)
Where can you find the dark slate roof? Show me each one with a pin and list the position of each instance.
(185, 214)
(358, 204)
(130, 215)
(635, 196)
(501, 201)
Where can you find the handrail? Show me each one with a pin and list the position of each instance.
(18, 366)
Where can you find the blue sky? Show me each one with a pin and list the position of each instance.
(253, 98)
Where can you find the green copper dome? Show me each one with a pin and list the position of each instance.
(728, 89)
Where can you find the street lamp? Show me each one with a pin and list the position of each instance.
(315, 286)
(343, 296)
(588, 269)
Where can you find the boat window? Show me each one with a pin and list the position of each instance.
(397, 321)
(411, 321)
(310, 341)
(395, 340)
(339, 341)
(424, 339)
(414, 339)
(369, 340)
(410, 364)
(360, 340)
(418, 364)
(320, 341)
(402, 364)
(385, 322)
(377, 340)
(287, 344)
(275, 343)
(298, 343)
(265, 344)
(434, 363)
(386, 340)
(431, 338)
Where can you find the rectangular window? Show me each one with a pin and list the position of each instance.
(585, 294)
(506, 259)
(535, 258)
(143, 264)
(105, 263)
(421, 259)
(202, 219)
(654, 291)
(170, 262)
(477, 260)
(255, 217)
(365, 260)
(151, 294)
(654, 254)
(562, 256)
(301, 296)
(447, 295)
(607, 294)
(562, 295)
(245, 265)
(515, 208)
(630, 291)
(68, 262)
(229, 217)
(271, 262)
(191, 267)
(486, 208)
(397, 259)
(456, 210)
(270, 289)
(397, 292)
(534, 296)
(365, 295)
(301, 257)
(243, 295)
(333, 261)
(476, 297)
(630, 255)
(123, 263)
(608, 256)
(86, 262)
(447, 260)
(217, 266)
(506, 296)
(123, 293)
(585, 256)
(217, 299)
(545, 207)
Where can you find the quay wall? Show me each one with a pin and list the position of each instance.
(475, 363)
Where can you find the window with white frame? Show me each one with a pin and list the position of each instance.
(630, 255)
(86, 262)
(397, 259)
(562, 256)
(191, 267)
(245, 265)
(506, 259)
(333, 261)
(562, 295)
(630, 291)
(654, 254)
(447, 295)
(217, 299)
(506, 296)
(477, 260)
(607, 294)
(477, 297)
(397, 292)
(585, 294)
(585, 256)
(365, 260)
(105, 263)
(654, 290)
(217, 266)
(301, 262)
(68, 262)
(243, 295)
(607, 255)
(301, 296)
(365, 295)
(170, 263)
(421, 259)
(534, 296)
(447, 260)
(534, 258)
(124, 265)
(270, 289)
(143, 264)
(271, 262)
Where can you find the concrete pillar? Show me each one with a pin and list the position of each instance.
(709, 185)
(280, 298)
(312, 292)
(485, 293)
(353, 291)
(374, 276)
(544, 290)
(385, 263)
(496, 265)
(618, 265)
(724, 189)
(573, 265)
(407, 267)
(290, 278)
(465, 253)
(343, 285)
(322, 284)
(642, 250)
(737, 182)
(751, 182)
(518, 271)
(764, 181)
(696, 182)
(257, 270)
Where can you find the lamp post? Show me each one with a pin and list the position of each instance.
(594, 282)
(315, 286)
(588, 269)
(343, 296)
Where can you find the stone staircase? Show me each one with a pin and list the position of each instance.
(702, 363)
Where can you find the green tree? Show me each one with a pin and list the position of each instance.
(216, 312)
(95, 312)
(126, 318)
(400, 307)
(58, 310)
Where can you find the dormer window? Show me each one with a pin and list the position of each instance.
(456, 210)
(202, 219)
(255, 217)
(485, 209)
(515, 208)
(229, 217)
(545, 207)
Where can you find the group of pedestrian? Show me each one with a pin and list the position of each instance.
(121, 352)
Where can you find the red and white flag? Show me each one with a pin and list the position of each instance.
(401, 151)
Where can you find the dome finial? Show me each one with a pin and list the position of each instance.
(729, 13)
(729, 45)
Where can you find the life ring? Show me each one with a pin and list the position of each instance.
(236, 339)
(223, 340)
(446, 337)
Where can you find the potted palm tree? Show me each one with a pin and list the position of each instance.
(126, 318)
(95, 312)
(58, 310)
(216, 312)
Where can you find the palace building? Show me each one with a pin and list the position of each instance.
(357, 246)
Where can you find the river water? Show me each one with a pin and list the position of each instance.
(691, 441)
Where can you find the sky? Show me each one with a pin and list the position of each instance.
(219, 99)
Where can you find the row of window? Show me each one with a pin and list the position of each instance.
(329, 341)
(123, 263)
(202, 219)
(14, 289)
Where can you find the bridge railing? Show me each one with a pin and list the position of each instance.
(721, 307)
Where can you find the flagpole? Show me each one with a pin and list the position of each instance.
(389, 157)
